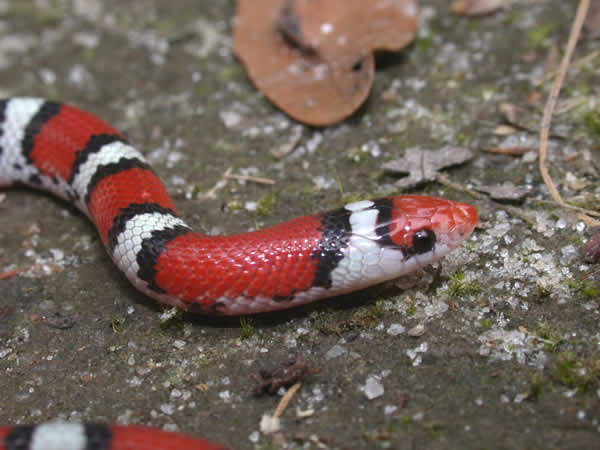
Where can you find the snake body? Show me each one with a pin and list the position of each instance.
(74, 436)
(75, 155)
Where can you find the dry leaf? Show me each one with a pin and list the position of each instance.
(477, 7)
(286, 374)
(506, 191)
(315, 59)
(336, 29)
(504, 130)
(592, 248)
(424, 165)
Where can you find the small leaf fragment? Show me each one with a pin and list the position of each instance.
(424, 165)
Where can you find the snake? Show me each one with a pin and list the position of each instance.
(76, 156)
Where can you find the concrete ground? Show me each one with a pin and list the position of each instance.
(501, 350)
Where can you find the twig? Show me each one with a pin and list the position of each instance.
(259, 180)
(553, 97)
(12, 272)
(218, 185)
(285, 400)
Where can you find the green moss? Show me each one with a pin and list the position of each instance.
(458, 286)
(461, 138)
(542, 291)
(89, 53)
(578, 89)
(174, 323)
(537, 37)
(587, 288)
(247, 328)
(535, 389)
(513, 16)
(377, 311)
(266, 204)
(44, 16)
(590, 290)
(434, 429)
(115, 323)
(424, 42)
(385, 432)
(591, 122)
(573, 283)
(486, 323)
(308, 189)
(234, 205)
(549, 334)
(357, 154)
(407, 420)
(228, 73)
(354, 197)
(575, 373)
(362, 319)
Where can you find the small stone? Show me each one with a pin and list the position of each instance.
(254, 437)
(389, 409)
(417, 330)
(395, 329)
(167, 408)
(561, 224)
(568, 254)
(269, 424)
(335, 351)
(372, 388)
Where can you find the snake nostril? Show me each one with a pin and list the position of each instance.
(468, 215)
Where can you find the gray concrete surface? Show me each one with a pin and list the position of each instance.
(505, 352)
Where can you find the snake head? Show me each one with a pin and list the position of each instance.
(426, 228)
(396, 235)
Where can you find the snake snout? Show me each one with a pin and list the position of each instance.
(465, 218)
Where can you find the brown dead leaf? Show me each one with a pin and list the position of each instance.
(592, 248)
(59, 321)
(504, 130)
(477, 7)
(315, 59)
(534, 98)
(506, 191)
(343, 28)
(424, 165)
(285, 375)
(512, 113)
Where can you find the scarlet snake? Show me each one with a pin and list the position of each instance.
(78, 157)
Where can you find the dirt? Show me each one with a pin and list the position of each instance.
(500, 348)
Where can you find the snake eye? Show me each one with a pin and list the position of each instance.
(423, 241)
